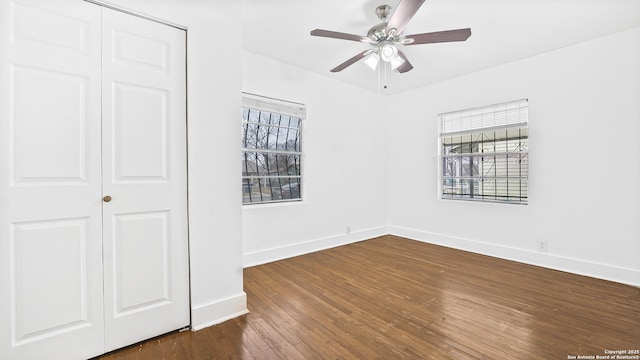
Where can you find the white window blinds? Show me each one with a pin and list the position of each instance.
(274, 105)
(508, 114)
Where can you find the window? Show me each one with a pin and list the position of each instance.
(271, 150)
(484, 153)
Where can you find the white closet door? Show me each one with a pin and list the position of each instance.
(144, 173)
(50, 186)
(80, 276)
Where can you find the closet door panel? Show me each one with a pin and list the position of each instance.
(50, 184)
(49, 139)
(142, 131)
(144, 173)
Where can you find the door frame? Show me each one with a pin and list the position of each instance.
(137, 14)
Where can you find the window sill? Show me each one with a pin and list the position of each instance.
(272, 204)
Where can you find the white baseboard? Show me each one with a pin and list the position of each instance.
(305, 247)
(217, 312)
(555, 262)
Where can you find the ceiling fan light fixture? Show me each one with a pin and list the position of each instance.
(372, 60)
(396, 62)
(388, 52)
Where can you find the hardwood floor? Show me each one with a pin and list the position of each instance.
(391, 298)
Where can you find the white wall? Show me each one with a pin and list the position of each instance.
(584, 182)
(344, 165)
(214, 101)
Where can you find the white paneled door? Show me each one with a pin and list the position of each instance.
(144, 173)
(93, 216)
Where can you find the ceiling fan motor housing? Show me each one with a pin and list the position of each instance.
(378, 32)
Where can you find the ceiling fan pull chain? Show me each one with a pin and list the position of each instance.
(379, 82)
(384, 64)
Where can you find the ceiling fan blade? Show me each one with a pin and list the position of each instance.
(403, 13)
(406, 65)
(440, 36)
(338, 35)
(349, 62)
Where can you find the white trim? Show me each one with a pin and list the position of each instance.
(219, 311)
(546, 260)
(305, 247)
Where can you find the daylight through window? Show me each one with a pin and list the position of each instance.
(271, 150)
(484, 153)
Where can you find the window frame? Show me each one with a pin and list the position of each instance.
(269, 160)
(467, 129)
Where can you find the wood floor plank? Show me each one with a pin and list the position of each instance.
(393, 298)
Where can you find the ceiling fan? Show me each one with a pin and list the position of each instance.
(386, 36)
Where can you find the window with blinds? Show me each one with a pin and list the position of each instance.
(484, 153)
(271, 150)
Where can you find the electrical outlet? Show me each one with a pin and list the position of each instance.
(348, 230)
(542, 245)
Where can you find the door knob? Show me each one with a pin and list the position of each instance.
(106, 198)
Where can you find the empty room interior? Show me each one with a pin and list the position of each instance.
(417, 179)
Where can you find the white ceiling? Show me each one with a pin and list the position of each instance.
(502, 31)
